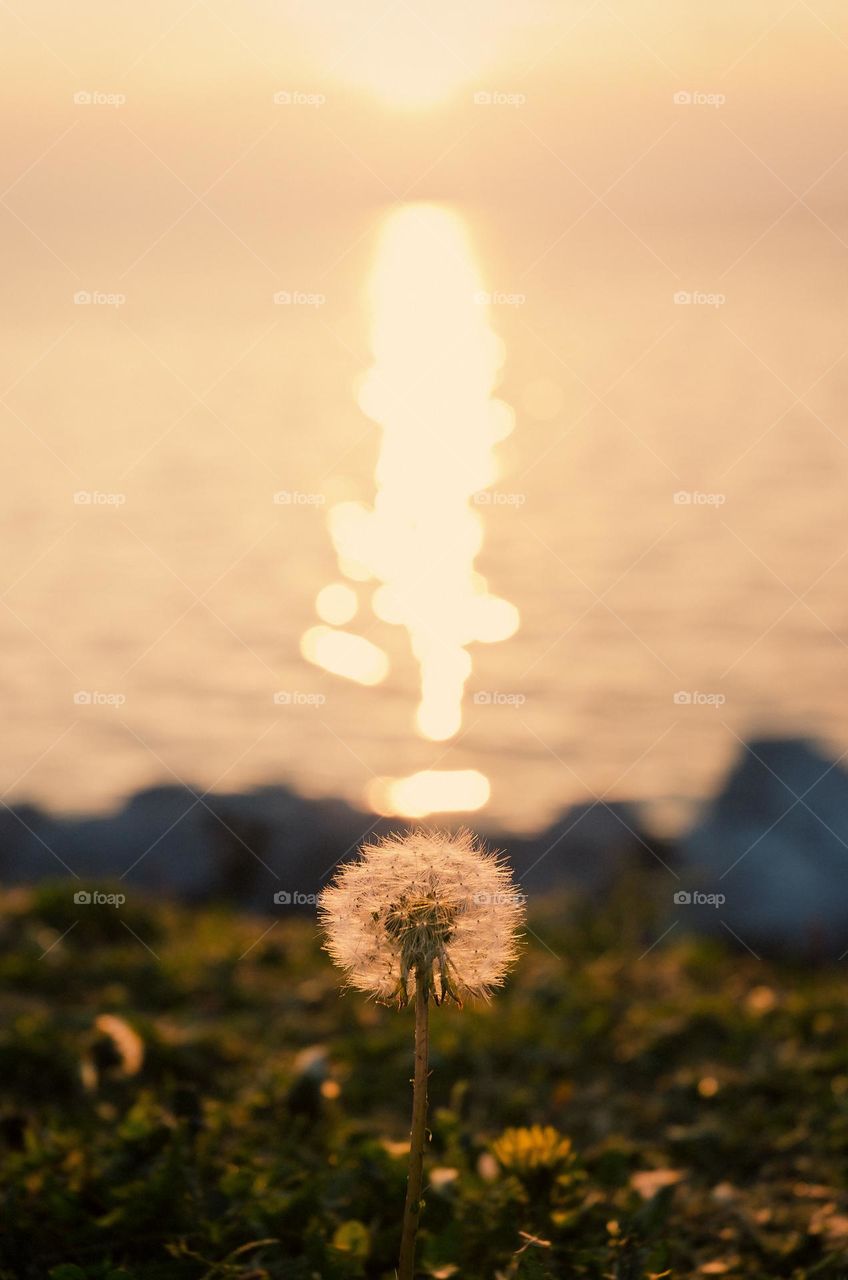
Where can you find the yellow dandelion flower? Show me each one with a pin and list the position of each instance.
(524, 1150)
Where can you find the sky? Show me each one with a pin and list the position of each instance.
(585, 89)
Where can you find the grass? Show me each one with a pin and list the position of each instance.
(610, 1114)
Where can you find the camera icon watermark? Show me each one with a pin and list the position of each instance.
(498, 98)
(92, 897)
(698, 298)
(493, 698)
(695, 498)
(685, 898)
(98, 298)
(93, 698)
(297, 498)
(698, 98)
(694, 698)
(297, 98)
(94, 498)
(98, 98)
(294, 898)
(298, 298)
(498, 498)
(506, 898)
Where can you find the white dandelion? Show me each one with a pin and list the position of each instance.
(429, 901)
(421, 915)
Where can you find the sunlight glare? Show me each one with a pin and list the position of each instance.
(336, 603)
(430, 791)
(344, 654)
(405, 58)
(436, 363)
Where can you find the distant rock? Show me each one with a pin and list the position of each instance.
(587, 849)
(775, 844)
(247, 847)
(173, 840)
(26, 840)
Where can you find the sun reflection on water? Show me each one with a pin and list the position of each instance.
(430, 791)
(344, 654)
(430, 388)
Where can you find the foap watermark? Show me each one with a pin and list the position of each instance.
(698, 98)
(498, 98)
(94, 898)
(695, 698)
(94, 698)
(95, 498)
(498, 298)
(99, 98)
(694, 898)
(500, 899)
(294, 898)
(697, 498)
(298, 98)
(98, 298)
(297, 698)
(298, 298)
(699, 298)
(498, 498)
(297, 498)
(494, 698)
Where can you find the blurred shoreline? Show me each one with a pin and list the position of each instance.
(762, 862)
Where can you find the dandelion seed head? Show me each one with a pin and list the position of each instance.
(426, 901)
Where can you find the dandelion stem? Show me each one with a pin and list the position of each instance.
(412, 1208)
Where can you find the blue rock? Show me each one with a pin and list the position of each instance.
(775, 844)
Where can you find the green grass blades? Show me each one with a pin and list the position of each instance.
(186, 1096)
